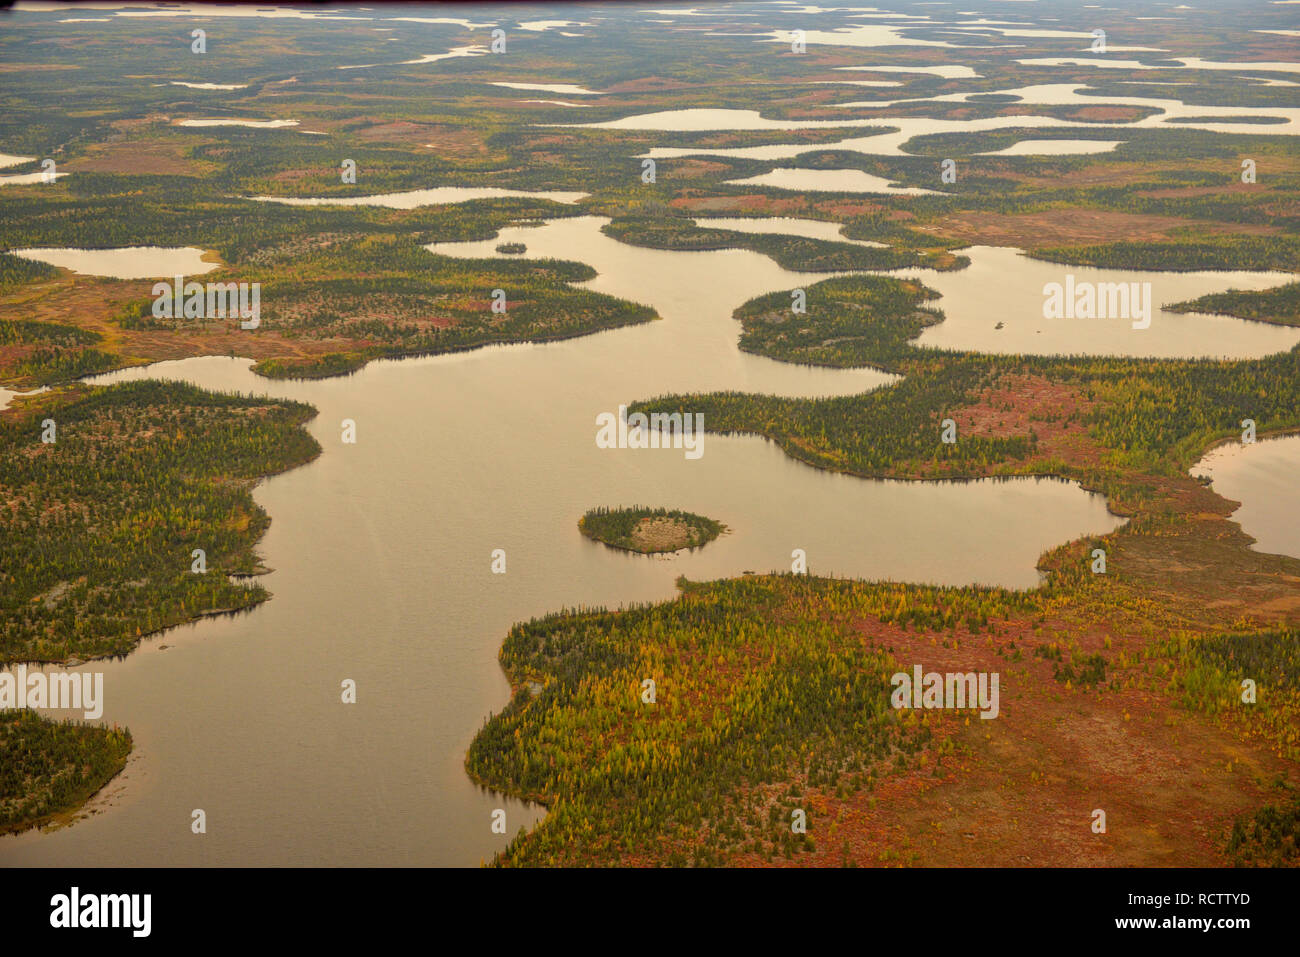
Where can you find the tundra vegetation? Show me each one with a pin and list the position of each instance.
(345, 284)
(771, 690)
(49, 768)
(99, 525)
(1280, 305)
(1126, 427)
(97, 548)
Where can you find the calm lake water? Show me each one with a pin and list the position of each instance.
(1262, 477)
(567, 88)
(785, 225)
(126, 262)
(1001, 285)
(255, 124)
(382, 554)
(28, 179)
(410, 199)
(886, 136)
(8, 395)
(381, 551)
(829, 181)
(1055, 148)
(1286, 120)
(211, 86)
(896, 131)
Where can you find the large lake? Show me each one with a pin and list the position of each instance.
(126, 262)
(382, 550)
(1262, 477)
(382, 555)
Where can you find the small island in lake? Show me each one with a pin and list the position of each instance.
(512, 249)
(649, 530)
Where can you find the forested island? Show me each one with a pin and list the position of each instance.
(1181, 611)
(770, 692)
(649, 530)
(342, 285)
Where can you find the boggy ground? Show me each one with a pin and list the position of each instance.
(1016, 790)
(1112, 698)
(1021, 789)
